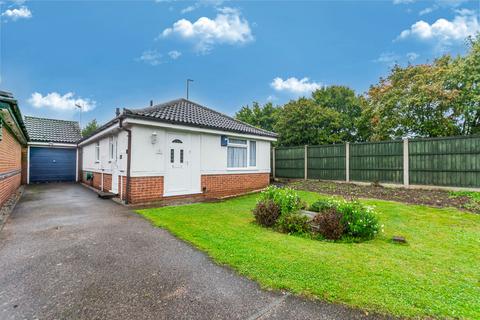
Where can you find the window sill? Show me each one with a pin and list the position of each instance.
(243, 169)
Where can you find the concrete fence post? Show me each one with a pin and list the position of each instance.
(273, 163)
(406, 164)
(347, 161)
(305, 174)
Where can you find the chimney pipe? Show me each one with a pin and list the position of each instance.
(151, 103)
(117, 111)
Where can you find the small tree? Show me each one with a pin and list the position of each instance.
(90, 128)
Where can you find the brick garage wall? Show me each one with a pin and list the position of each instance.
(145, 189)
(222, 185)
(10, 162)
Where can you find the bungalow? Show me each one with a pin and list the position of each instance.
(175, 149)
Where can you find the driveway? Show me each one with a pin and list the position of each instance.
(66, 254)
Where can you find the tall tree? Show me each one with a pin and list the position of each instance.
(343, 100)
(465, 78)
(90, 128)
(259, 116)
(303, 122)
(414, 101)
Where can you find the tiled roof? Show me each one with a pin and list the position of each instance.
(185, 112)
(52, 130)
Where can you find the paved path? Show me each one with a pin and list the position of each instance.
(66, 254)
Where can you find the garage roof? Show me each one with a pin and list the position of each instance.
(186, 112)
(52, 130)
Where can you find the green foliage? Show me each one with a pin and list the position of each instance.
(286, 198)
(359, 221)
(474, 199)
(259, 116)
(293, 223)
(329, 223)
(323, 204)
(266, 213)
(90, 128)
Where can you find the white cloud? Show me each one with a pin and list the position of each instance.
(174, 54)
(443, 31)
(272, 98)
(388, 58)
(201, 3)
(412, 56)
(427, 10)
(294, 85)
(190, 8)
(152, 57)
(60, 102)
(17, 13)
(228, 27)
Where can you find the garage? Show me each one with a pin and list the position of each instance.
(52, 150)
(52, 164)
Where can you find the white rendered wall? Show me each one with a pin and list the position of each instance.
(105, 164)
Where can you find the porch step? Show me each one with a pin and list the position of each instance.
(106, 195)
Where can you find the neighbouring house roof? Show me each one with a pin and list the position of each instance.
(188, 113)
(52, 130)
(11, 116)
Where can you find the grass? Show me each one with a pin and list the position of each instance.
(436, 274)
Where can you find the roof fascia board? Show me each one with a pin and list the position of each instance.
(131, 120)
(114, 126)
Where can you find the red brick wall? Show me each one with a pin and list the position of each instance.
(145, 189)
(97, 180)
(221, 185)
(24, 165)
(10, 160)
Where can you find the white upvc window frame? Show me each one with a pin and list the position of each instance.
(241, 145)
(97, 152)
(111, 148)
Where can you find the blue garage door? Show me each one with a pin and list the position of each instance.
(52, 164)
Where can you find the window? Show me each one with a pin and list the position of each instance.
(237, 153)
(172, 155)
(97, 151)
(111, 148)
(253, 154)
(177, 141)
(181, 155)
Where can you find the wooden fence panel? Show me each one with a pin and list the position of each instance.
(326, 162)
(290, 162)
(377, 162)
(445, 161)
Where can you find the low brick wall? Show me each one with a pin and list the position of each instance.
(222, 185)
(8, 186)
(97, 180)
(145, 189)
(150, 189)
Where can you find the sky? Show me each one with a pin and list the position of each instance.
(108, 54)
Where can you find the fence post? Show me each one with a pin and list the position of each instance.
(347, 161)
(406, 168)
(273, 163)
(305, 174)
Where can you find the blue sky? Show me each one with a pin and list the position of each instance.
(107, 54)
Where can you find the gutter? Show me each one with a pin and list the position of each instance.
(129, 158)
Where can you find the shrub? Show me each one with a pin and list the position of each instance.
(329, 223)
(293, 223)
(266, 213)
(359, 221)
(286, 198)
(323, 204)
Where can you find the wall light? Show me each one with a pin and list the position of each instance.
(153, 138)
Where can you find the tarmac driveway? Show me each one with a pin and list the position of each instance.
(66, 254)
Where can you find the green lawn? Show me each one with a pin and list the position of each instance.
(436, 274)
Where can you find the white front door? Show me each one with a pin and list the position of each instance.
(178, 180)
